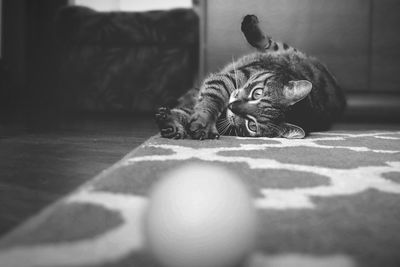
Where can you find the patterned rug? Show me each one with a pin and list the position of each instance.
(332, 199)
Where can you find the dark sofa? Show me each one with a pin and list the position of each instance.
(124, 61)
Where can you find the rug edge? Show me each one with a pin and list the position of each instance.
(37, 218)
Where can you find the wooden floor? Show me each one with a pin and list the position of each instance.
(41, 161)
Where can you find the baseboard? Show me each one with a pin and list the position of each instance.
(373, 107)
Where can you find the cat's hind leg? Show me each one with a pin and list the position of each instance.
(258, 39)
(172, 123)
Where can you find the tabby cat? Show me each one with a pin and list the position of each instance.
(275, 92)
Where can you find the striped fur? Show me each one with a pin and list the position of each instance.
(276, 92)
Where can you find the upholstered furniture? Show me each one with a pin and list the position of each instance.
(124, 61)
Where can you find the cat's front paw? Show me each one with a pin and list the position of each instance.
(202, 127)
(169, 126)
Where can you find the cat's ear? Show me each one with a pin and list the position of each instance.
(296, 91)
(291, 131)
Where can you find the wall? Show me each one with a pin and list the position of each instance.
(1, 27)
(385, 46)
(14, 40)
(13, 59)
(25, 82)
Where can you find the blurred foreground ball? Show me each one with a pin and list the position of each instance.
(200, 216)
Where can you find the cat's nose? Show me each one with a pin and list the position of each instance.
(234, 105)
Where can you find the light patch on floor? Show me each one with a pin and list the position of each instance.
(379, 134)
(299, 260)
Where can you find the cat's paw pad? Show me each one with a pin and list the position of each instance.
(253, 33)
(202, 128)
(250, 21)
(168, 125)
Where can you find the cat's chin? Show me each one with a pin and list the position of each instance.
(231, 117)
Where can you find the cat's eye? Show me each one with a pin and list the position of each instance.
(257, 93)
(251, 126)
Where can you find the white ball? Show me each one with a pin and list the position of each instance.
(200, 216)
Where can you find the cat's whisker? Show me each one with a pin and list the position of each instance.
(223, 124)
(227, 124)
(235, 71)
(222, 131)
(225, 129)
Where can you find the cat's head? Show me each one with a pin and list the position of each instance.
(258, 108)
